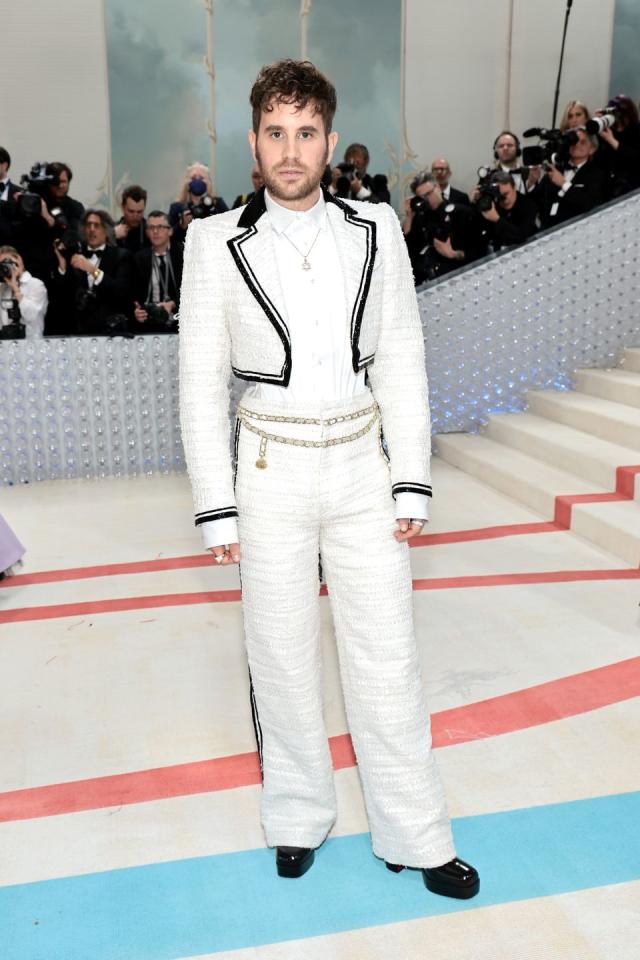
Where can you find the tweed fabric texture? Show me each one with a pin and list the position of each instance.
(336, 501)
(233, 317)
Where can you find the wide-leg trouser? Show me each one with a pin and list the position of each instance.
(335, 501)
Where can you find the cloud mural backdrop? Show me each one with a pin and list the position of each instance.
(159, 88)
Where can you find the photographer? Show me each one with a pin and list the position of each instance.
(8, 193)
(510, 216)
(442, 172)
(130, 230)
(350, 179)
(569, 188)
(23, 298)
(95, 284)
(507, 152)
(619, 154)
(46, 212)
(440, 236)
(158, 275)
(195, 201)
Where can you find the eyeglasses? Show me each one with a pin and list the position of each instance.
(158, 226)
(439, 169)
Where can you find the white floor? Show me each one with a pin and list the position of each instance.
(91, 695)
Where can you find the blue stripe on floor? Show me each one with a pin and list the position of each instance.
(184, 908)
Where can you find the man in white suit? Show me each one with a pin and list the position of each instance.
(311, 301)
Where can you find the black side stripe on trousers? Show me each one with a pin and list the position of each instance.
(257, 729)
(255, 719)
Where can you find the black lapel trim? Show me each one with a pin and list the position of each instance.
(215, 515)
(371, 227)
(422, 488)
(251, 213)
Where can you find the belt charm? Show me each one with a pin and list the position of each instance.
(261, 462)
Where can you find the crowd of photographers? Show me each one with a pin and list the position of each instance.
(587, 161)
(66, 270)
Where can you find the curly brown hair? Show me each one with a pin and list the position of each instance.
(293, 81)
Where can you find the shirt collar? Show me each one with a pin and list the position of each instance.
(282, 218)
(93, 250)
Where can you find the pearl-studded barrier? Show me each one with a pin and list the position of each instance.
(98, 407)
(532, 316)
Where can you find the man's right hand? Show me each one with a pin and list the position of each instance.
(226, 554)
(121, 230)
(140, 313)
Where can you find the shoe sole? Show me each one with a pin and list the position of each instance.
(453, 890)
(297, 870)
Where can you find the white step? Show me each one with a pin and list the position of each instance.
(579, 453)
(631, 359)
(613, 526)
(520, 476)
(606, 419)
(621, 386)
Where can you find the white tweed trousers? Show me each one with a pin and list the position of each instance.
(336, 502)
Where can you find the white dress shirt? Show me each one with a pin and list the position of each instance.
(318, 321)
(33, 305)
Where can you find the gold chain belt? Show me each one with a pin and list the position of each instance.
(261, 462)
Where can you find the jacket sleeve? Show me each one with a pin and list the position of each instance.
(205, 371)
(397, 376)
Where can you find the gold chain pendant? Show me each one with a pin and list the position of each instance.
(261, 462)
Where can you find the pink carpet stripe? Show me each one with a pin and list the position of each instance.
(508, 713)
(522, 579)
(118, 604)
(206, 560)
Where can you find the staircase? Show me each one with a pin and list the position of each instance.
(573, 457)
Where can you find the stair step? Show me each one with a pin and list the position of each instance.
(574, 451)
(517, 474)
(613, 526)
(631, 359)
(616, 422)
(621, 386)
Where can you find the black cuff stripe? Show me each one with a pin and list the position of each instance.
(216, 515)
(420, 488)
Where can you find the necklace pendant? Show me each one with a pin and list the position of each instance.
(306, 265)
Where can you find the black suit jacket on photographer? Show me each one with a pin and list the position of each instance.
(92, 307)
(136, 239)
(458, 222)
(34, 237)
(142, 264)
(587, 191)
(514, 226)
(621, 166)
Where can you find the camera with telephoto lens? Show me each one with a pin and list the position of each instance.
(348, 170)
(6, 268)
(553, 148)
(158, 317)
(488, 191)
(607, 119)
(203, 209)
(35, 185)
(15, 329)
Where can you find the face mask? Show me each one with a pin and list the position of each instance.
(197, 186)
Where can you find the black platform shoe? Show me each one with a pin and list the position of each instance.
(293, 861)
(453, 879)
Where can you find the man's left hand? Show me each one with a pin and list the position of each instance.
(408, 528)
(356, 185)
(445, 249)
(491, 214)
(168, 305)
(555, 176)
(80, 262)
